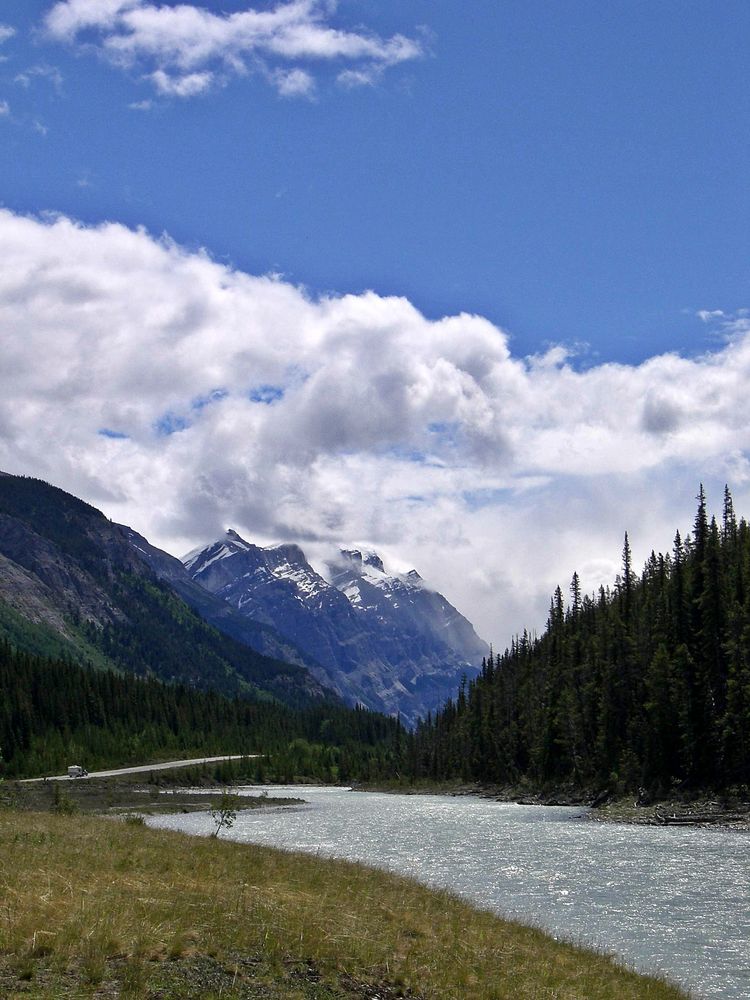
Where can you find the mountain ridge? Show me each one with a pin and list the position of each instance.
(386, 640)
(257, 635)
(72, 583)
(238, 617)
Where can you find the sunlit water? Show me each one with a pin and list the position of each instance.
(674, 900)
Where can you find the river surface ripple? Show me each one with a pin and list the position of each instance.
(674, 900)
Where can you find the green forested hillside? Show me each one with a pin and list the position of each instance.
(645, 685)
(101, 663)
(54, 712)
(72, 585)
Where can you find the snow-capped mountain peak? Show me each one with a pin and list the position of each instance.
(383, 639)
(228, 545)
(367, 565)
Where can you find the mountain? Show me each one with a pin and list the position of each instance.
(257, 635)
(387, 641)
(74, 585)
(236, 618)
(402, 600)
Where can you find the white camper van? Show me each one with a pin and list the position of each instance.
(76, 771)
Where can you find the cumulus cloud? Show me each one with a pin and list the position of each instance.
(185, 85)
(294, 83)
(183, 396)
(351, 78)
(185, 49)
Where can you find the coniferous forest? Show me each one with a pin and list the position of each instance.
(55, 712)
(643, 686)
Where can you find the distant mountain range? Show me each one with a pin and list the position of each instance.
(385, 640)
(236, 617)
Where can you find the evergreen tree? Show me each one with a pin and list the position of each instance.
(648, 684)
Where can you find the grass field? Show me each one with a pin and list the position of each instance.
(94, 907)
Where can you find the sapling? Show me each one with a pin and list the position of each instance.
(225, 813)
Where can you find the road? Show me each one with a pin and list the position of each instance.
(145, 768)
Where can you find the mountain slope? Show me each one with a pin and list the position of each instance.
(217, 612)
(72, 582)
(405, 602)
(388, 642)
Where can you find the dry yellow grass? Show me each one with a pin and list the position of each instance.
(95, 907)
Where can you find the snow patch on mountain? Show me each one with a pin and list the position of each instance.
(382, 639)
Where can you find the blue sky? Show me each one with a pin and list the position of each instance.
(574, 172)
(195, 198)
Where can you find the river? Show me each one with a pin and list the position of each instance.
(674, 900)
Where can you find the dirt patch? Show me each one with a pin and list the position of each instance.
(232, 977)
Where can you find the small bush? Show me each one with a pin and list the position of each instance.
(62, 803)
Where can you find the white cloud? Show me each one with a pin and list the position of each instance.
(187, 85)
(6, 32)
(184, 49)
(351, 78)
(182, 397)
(65, 20)
(41, 72)
(711, 315)
(294, 83)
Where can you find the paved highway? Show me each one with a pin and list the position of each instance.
(145, 768)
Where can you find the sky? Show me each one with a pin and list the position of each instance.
(472, 290)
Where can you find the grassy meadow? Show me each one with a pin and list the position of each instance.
(96, 907)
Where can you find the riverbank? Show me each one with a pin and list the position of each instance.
(729, 813)
(96, 908)
(729, 810)
(137, 793)
(127, 795)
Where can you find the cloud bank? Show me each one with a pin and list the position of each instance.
(184, 50)
(182, 396)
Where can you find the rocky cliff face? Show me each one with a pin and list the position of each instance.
(405, 602)
(387, 641)
(50, 582)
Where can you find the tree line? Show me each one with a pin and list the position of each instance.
(55, 712)
(643, 685)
